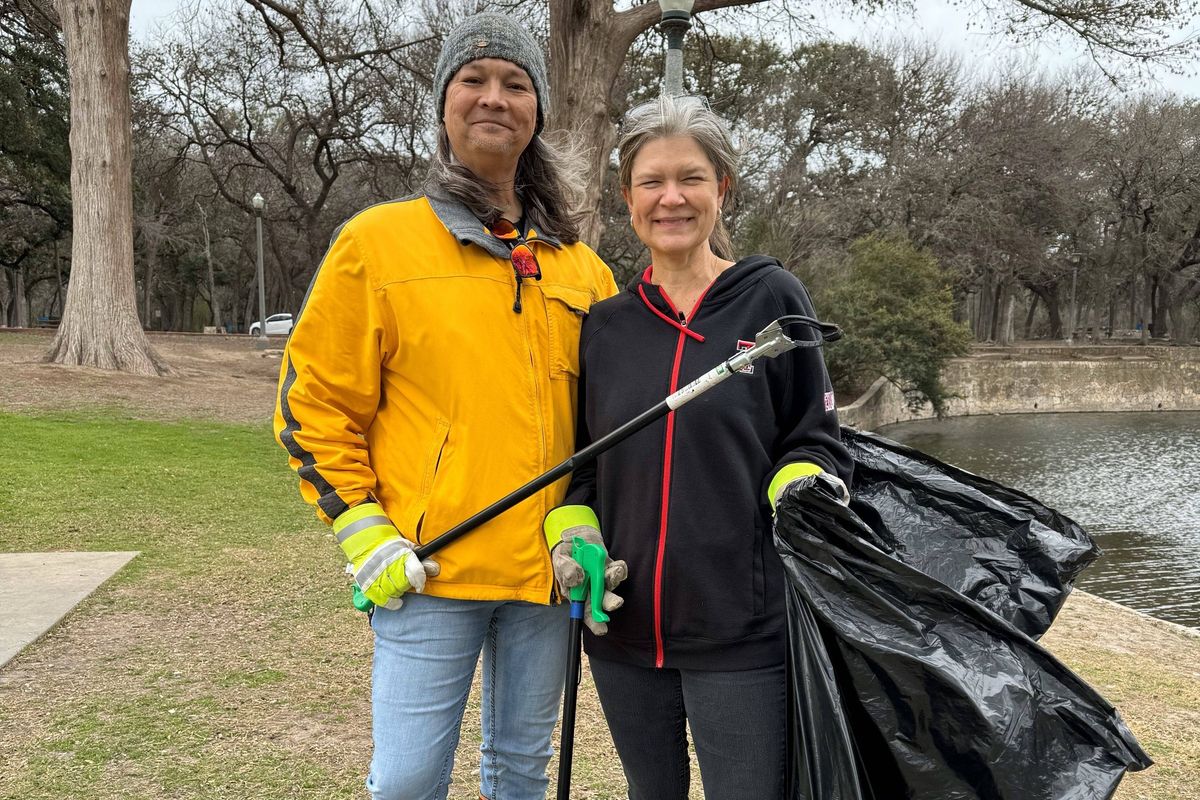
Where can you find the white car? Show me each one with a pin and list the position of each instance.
(277, 325)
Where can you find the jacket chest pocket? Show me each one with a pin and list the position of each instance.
(565, 310)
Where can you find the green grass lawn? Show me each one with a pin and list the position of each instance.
(209, 667)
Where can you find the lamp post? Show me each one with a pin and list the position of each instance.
(1074, 259)
(259, 203)
(675, 21)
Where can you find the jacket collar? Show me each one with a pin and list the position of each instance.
(729, 284)
(467, 228)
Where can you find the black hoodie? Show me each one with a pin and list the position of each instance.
(684, 500)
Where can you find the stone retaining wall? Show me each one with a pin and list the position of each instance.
(1038, 380)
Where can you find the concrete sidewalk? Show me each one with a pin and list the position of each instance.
(38, 589)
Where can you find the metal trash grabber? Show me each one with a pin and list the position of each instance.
(770, 342)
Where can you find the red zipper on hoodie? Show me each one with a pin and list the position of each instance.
(680, 323)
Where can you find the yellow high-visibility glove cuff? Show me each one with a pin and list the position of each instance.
(789, 473)
(362, 529)
(565, 517)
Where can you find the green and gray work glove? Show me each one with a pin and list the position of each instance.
(805, 473)
(382, 561)
(562, 525)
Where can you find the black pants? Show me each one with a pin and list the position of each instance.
(738, 722)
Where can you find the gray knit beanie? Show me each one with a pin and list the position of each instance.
(491, 35)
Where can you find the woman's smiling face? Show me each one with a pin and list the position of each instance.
(674, 196)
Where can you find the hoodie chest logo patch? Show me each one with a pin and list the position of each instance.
(743, 346)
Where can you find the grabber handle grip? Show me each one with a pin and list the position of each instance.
(360, 601)
(591, 558)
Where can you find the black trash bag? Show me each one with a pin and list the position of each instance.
(901, 686)
(997, 546)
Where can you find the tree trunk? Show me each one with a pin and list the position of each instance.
(983, 320)
(1007, 302)
(994, 312)
(1050, 299)
(585, 59)
(100, 323)
(1133, 304)
(1144, 310)
(5, 302)
(20, 301)
(1029, 316)
(59, 296)
(1152, 299)
(148, 282)
(213, 303)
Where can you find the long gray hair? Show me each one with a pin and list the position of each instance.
(668, 117)
(547, 174)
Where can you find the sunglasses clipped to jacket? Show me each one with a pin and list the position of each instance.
(524, 262)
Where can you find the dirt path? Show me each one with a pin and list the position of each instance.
(220, 378)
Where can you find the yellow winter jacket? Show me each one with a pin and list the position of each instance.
(410, 378)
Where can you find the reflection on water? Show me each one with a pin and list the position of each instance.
(1131, 479)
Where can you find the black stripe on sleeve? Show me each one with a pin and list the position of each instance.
(329, 501)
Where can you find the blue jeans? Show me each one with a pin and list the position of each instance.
(738, 722)
(425, 656)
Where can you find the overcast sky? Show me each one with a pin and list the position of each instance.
(934, 20)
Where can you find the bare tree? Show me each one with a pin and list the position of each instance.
(320, 108)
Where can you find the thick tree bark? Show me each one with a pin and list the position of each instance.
(100, 323)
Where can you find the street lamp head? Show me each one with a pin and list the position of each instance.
(676, 6)
(673, 10)
(258, 202)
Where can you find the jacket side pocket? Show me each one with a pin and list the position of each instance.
(432, 461)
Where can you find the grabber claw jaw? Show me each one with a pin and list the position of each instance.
(773, 340)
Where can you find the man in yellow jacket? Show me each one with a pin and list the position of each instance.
(433, 368)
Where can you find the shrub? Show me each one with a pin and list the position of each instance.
(896, 311)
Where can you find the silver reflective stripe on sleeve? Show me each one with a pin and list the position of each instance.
(380, 560)
(361, 525)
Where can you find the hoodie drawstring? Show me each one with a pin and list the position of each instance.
(674, 323)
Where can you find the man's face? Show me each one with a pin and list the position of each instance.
(490, 111)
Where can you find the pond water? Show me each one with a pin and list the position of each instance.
(1131, 479)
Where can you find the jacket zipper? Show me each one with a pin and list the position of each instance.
(539, 404)
(684, 334)
(666, 495)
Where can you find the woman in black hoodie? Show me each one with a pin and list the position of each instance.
(688, 501)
